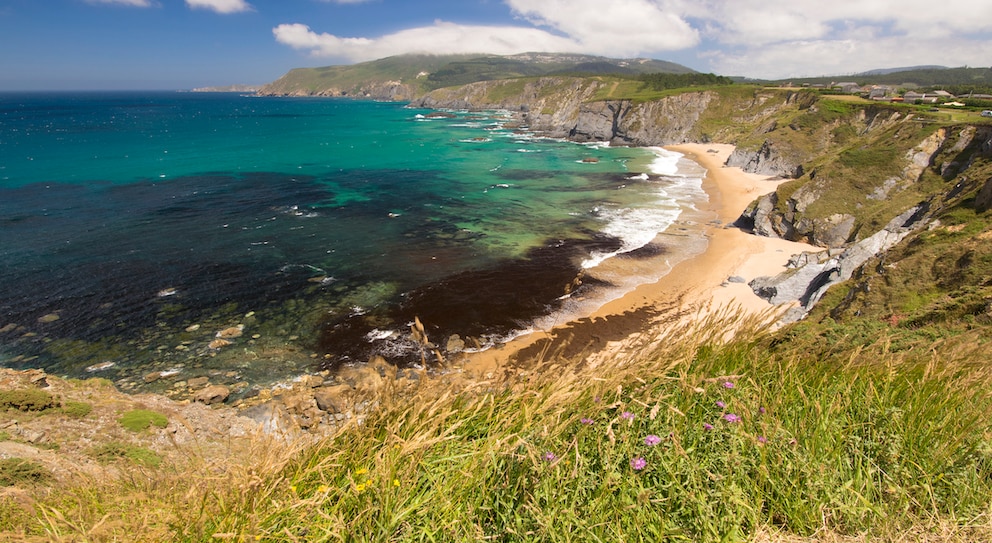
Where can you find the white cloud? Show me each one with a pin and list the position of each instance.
(792, 38)
(220, 6)
(134, 3)
(756, 38)
(441, 38)
(618, 25)
(621, 28)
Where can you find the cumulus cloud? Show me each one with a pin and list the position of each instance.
(617, 27)
(134, 3)
(220, 6)
(757, 38)
(440, 38)
(792, 38)
(599, 27)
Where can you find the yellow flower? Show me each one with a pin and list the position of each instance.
(362, 471)
(292, 489)
(360, 487)
(396, 482)
(323, 488)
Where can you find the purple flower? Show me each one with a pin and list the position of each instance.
(586, 420)
(627, 415)
(707, 426)
(549, 456)
(638, 463)
(728, 384)
(762, 439)
(652, 440)
(721, 405)
(730, 417)
(761, 410)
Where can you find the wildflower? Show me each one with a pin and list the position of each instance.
(638, 463)
(761, 410)
(549, 456)
(728, 384)
(730, 417)
(292, 488)
(361, 471)
(721, 405)
(652, 440)
(586, 420)
(627, 415)
(762, 439)
(396, 482)
(707, 426)
(360, 487)
(323, 488)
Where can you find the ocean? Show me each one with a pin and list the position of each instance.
(258, 238)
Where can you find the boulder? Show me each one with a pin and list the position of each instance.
(212, 394)
(333, 399)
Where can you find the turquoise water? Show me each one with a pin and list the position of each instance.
(134, 226)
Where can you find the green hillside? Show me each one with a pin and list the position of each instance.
(422, 73)
(955, 80)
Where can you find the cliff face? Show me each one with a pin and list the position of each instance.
(385, 90)
(582, 109)
(569, 108)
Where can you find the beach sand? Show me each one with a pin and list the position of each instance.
(693, 288)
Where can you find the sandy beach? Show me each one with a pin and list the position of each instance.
(698, 285)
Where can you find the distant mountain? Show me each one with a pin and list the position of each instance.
(228, 88)
(887, 71)
(405, 77)
(918, 77)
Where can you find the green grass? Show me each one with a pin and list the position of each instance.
(115, 450)
(138, 420)
(76, 410)
(21, 472)
(829, 436)
(27, 399)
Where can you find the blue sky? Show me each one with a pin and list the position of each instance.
(181, 44)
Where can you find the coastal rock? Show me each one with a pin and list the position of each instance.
(766, 160)
(49, 318)
(213, 394)
(197, 382)
(333, 399)
(218, 344)
(455, 344)
(812, 275)
(232, 332)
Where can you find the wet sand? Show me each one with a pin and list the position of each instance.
(694, 288)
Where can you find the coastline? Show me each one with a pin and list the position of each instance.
(697, 286)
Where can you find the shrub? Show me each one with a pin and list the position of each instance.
(140, 419)
(18, 471)
(27, 399)
(115, 450)
(77, 410)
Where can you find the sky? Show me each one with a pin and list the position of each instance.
(183, 44)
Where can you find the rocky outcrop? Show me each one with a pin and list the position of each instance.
(811, 274)
(765, 161)
(394, 91)
(789, 219)
(566, 108)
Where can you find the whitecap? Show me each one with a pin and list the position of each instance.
(379, 335)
